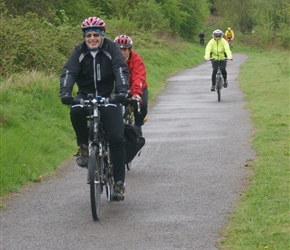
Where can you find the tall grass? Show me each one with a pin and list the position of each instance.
(36, 136)
(262, 218)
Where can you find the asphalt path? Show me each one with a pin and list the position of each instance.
(179, 192)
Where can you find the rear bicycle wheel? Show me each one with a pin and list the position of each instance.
(130, 119)
(95, 182)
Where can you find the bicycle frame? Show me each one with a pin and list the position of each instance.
(100, 171)
(201, 41)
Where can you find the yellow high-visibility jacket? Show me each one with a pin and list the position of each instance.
(217, 49)
(229, 34)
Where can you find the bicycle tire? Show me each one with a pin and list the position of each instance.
(95, 182)
(218, 87)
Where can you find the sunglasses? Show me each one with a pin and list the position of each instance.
(94, 35)
(217, 36)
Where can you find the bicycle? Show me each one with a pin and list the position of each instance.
(230, 41)
(201, 41)
(100, 169)
(129, 118)
(219, 83)
(128, 111)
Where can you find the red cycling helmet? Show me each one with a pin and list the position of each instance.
(124, 41)
(93, 22)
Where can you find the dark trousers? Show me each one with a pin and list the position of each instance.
(223, 65)
(112, 120)
(139, 118)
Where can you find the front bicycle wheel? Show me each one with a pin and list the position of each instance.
(95, 182)
(218, 87)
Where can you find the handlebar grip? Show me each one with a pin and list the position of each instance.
(77, 101)
(212, 59)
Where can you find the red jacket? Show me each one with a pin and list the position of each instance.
(137, 71)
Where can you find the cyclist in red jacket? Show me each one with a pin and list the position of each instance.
(138, 84)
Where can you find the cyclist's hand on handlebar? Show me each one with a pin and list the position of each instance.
(121, 98)
(67, 99)
(207, 59)
(137, 97)
(78, 101)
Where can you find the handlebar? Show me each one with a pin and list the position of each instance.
(212, 59)
(104, 101)
(98, 100)
(131, 101)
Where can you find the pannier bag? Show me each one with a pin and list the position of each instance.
(133, 142)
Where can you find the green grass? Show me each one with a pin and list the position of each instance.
(36, 136)
(262, 217)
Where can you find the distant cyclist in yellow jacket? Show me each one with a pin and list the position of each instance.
(230, 36)
(219, 50)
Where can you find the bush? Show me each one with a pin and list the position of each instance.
(150, 17)
(37, 44)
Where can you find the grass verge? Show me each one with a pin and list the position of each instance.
(261, 220)
(35, 134)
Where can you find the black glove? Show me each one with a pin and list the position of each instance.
(67, 99)
(121, 98)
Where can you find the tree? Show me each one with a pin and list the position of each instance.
(196, 13)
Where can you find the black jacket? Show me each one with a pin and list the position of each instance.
(107, 73)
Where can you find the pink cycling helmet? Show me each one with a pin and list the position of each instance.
(93, 22)
(124, 41)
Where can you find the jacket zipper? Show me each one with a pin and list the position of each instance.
(95, 82)
(97, 75)
(98, 72)
(217, 49)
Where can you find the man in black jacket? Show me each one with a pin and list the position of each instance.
(99, 68)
